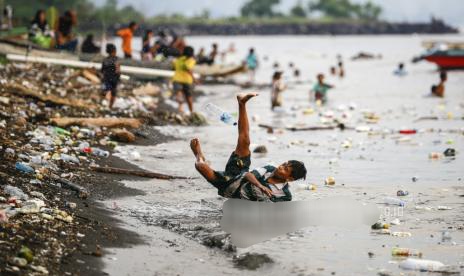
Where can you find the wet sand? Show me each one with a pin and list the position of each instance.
(180, 219)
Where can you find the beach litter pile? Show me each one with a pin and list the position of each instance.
(55, 131)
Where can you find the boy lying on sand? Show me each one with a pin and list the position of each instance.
(264, 184)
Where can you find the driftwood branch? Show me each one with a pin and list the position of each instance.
(136, 173)
(24, 91)
(340, 126)
(83, 192)
(97, 122)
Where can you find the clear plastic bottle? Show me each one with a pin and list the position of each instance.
(393, 201)
(100, 152)
(217, 113)
(69, 158)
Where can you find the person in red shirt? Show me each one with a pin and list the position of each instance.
(126, 34)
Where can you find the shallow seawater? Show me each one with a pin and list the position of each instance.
(372, 166)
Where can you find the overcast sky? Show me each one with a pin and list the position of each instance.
(395, 10)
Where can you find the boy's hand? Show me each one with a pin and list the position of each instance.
(266, 191)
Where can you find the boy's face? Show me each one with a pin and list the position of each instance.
(284, 172)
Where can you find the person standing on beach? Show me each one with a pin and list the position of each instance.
(111, 71)
(277, 88)
(183, 79)
(126, 35)
(439, 90)
(320, 89)
(252, 64)
(268, 183)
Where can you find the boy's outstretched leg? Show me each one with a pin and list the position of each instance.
(243, 143)
(200, 164)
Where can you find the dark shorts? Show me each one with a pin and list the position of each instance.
(234, 168)
(126, 55)
(110, 86)
(184, 87)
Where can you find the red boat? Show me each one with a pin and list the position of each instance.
(450, 59)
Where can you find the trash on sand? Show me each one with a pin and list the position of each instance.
(401, 234)
(380, 225)
(135, 155)
(23, 167)
(408, 131)
(31, 206)
(443, 207)
(20, 262)
(449, 152)
(26, 253)
(404, 193)
(445, 236)
(422, 265)
(15, 192)
(395, 221)
(393, 201)
(398, 251)
(330, 180)
(260, 149)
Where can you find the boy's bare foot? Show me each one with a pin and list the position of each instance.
(242, 98)
(196, 149)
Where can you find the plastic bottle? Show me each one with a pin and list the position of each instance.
(87, 132)
(422, 265)
(61, 131)
(393, 201)
(216, 112)
(406, 252)
(69, 158)
(100, 152)
(23, 167)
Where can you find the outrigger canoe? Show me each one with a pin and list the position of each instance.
(27, 49)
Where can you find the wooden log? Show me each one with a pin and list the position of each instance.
(97, 122)
(24, 91)
(82, 192)
(122, 135)
(130, 70)
(136, 173)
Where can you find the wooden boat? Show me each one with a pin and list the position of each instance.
(28, 49)
(447, 60)
(447, 55)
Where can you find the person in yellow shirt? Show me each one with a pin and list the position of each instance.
(126, 34)
(183, 79)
